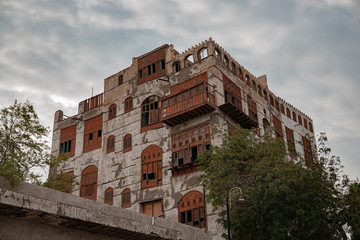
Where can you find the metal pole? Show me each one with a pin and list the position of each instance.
(228, 216)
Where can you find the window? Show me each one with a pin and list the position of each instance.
(277, 105)
(108, 198)
(294, 116)
(307, 149)
(150, 111)
(311, 127)
(177, 67)
(305, 124)
(226, 60)
(189, 60)
(67, 141)
(233, 67)
(92, 133)
(217, 54)
(247, 79)
(140, 74)
(154, 209)
(282, 108)
(259, 90)
(162, 63)
(265, 95)
(288, 114)
(252, 109)
(128, 104)
(151, 167)
(300, 120)
(125, 198)
(253, 85)
(191, 209)
(153, 68)
(271, 100)
(112, 111)
(290, 141)
(127, 143)
(203, 53)
(120, 80)
(241, 74)
(278, 128)
(88, 186)
(149, 70)
(110, 144)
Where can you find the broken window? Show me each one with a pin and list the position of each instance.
(266, 125)
(253, 85)
(247, 79)
(189, 60)
(191, 209)
(217, 54)
(177, 66)
(233, 67)
(203, 53)
(151, 167)
(150, 111)
(226, 60)
(149, 70)
(162, 62)
(241, 74)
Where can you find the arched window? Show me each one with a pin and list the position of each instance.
(177, 66)
(108, 198)
(311, 127)
(253, 85)
(294, 116)
(203, 53)
(282, 108)
(271, 100)
(217, 54)
(288, 114)
(126, 198)
(110, 146)
(259, 90)
(247, 80)
(233, 67)
(277, 105)
(265, 95)
(88, 186)
(267, 128)
(241, 74)
(128, 104)
(127, 143)
(300, 120)
(305, 123)
(112, 111)
(189, 60)
(150, 112)
(226, 60)
(151, 167)
(191, 209)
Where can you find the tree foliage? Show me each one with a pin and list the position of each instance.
(286, 198)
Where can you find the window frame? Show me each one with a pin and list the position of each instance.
(88, 183)
(126, 198)
(127, 143)
(109, 196)
(112, 111)
(151, 167)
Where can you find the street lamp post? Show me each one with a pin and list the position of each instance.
(234, 192)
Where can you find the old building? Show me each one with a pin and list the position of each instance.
(134, 145)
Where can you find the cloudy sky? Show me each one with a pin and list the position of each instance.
(53, 52)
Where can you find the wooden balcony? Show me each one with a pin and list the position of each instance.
(233, 108)
(188, 108)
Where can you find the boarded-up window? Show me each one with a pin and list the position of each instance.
(92, 133)
(108, 198)
(128, 104)
(125, 198)
(110, 146)
(151, 167)
(191, 209)
(112, 111)
(67, 140)
(88, 186)
(278, 128)
(290, 141)
(154, 209)
(127, 143)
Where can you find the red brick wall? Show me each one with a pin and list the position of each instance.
(69, 134)
(231, 87)
(92, 125)
(148, 60)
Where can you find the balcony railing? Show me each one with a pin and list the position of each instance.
(182, 107)
(94, 102)
(233, 108)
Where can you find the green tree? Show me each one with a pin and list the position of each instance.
(353, 209)
(23, 146)
(286, 198)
